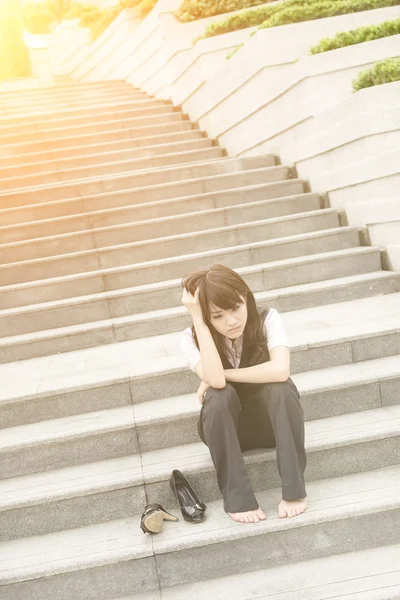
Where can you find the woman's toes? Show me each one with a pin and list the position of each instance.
(281, 511)
(292, 508)
(252, 516)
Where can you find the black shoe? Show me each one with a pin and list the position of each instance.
(192, 508)
(153, 518)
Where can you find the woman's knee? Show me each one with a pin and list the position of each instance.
(221, 399)
(283, 388)
(283, 392)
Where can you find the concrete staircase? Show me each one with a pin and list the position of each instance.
(108, 198)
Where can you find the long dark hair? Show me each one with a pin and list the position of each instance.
(224, 288)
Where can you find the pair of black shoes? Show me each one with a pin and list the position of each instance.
(192, 508)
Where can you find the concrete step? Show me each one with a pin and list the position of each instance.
(96, 116)
(167, 294)
(55, 174)
(157, 212)
(60, 89)
(150, 369)
(90, 442)
(153, 430)
(117, 488)
(86, 267)
(345, 514)
(73, 99)
(81, 284)
(42, 109)
(94, 154)
(119, 329)
(151, 123)
(70, 146)
(372, 574)
(87, 113)
(285, 299)
(88, 257)
(99, 231)
(84, 195)
(36, 217)
(161, 424)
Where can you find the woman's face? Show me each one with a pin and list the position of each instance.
(229, 322)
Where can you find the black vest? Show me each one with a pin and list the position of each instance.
(247, 390)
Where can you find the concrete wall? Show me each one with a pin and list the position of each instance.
(271, 95)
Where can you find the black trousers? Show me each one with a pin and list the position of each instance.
(272, 416)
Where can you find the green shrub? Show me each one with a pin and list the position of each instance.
(107, 16)
(384, 71)
(145, 7)
(40, 17)
(249, 18)
(37, 18)
(191, 10)
(320, 9)
(129, 3)
(292, 11)
(357, 36)
(100, 23)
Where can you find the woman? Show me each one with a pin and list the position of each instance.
(248, 400)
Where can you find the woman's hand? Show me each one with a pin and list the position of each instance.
(192, 303)
(200, 392)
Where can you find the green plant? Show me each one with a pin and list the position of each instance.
(292, 11)
(357, 36)
(145, 7)
(319, 9)
(192, 10)
(100, 23)
(384, 71)
(40, 17)
(58, 8)
(129, 3)
(37, 18)
(249, 18)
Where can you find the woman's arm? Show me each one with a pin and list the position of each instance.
(210, 368)
(277, 369)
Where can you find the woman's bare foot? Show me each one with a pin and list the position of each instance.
(291, 508)
(251, 516)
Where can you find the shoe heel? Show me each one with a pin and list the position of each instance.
(168, 517)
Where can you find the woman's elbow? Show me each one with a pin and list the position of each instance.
(283, 374)
(219, 384)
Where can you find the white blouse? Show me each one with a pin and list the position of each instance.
(273, 330)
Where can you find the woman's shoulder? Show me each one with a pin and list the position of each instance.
(275, 330)
(268, 314)
(187, 337)
(271, 315)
